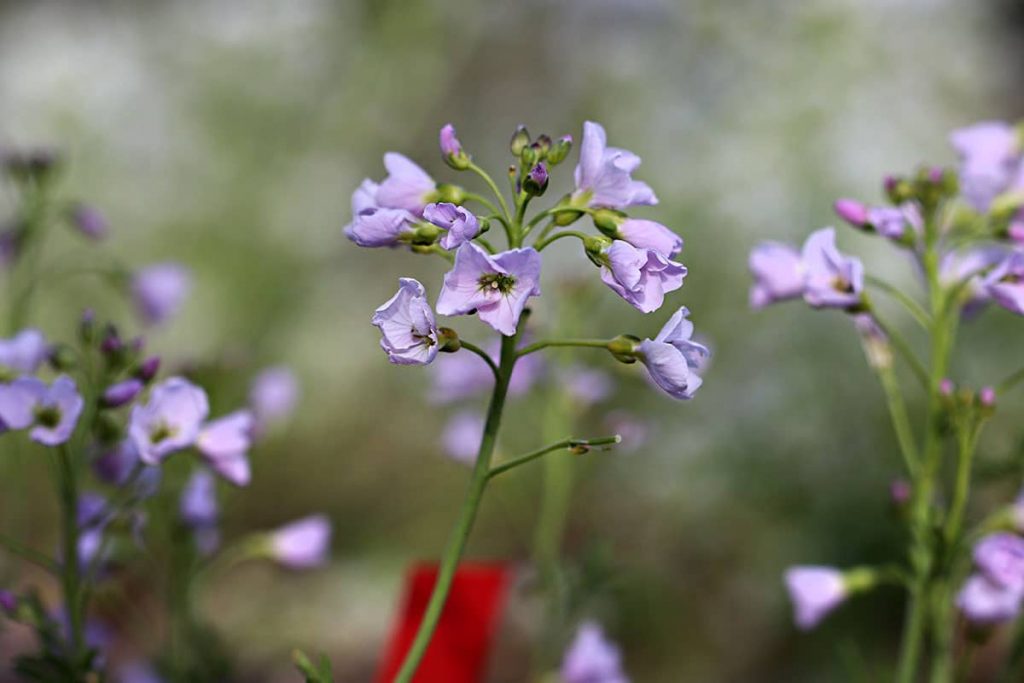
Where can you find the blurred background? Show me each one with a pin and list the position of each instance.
(229, 135)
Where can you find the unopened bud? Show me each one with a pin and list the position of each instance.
(536, 181)
(448, 340)
(117, 395)
(543, 144)
(595, 246)
(624, 348)
(530, 155)
(88, 220)
(62, 358)
(8, 602)
(148, 368)
(560, 150)
(946, 387)
(87, 326)
(987, 397)
(453, 194)
(451, 149)
(425, 234)
(607, 221)
(852, 211)
(520, 139)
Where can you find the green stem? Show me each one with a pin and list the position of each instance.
(902, 348)
(570, 444)
(474, 494)
(37, 558)
(543, 242)
(486, 203)
(497, 193)
(1010, 382)
(473, 348)
(967, 440)
(551, 343)
(900, 419)
(71, 571)
(915, 309)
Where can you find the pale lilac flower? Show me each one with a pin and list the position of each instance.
(92, 517)
(496, 287)
(380, 227)
(450, 145)
(407, 325)
(814, 591)
(592, 658)
(160, 291)
(603, 174)
(673, 358)
(273, 395)
(832, 279)
(990, 158)
(458, 376)
(51, 411)
(303, 544)
(586, 386)
(644, 234)
(460, 224)
(198, 504)
(640, 276)
(115, 465)
(778, 274)
(893, 221)
(407, 186)
(170, 421)
(985, 602)
(123, 392)
(462, 435)
(1005, 284)
(1000, 557)
(89, 221)
(224, 444)
(24, 352)
(971, 266)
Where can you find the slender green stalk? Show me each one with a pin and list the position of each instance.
(900, 419)
(487, 203)
(41, 560)
(497, 193)
(569, 444)
(915, 309)
(1010, 382)
(545, 241)
(474, 494)
(967, 441)
(473, 348)
(902, 348)
(71, 572)
(550, 343)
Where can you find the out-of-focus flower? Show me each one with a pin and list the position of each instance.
(92, 517)
(987, 396)
(778, 274)
(198, 504)
(148, 369)
(644, 234)
(115, 465)
(990, 159)
(8, 602)
(378, 227)
(1005, 284)
(592, 658)
(121, 393)
(88, 220)
(587, 386)
(303, 544)
(407, 325)
(138, 672)
(462, 435)
(24, 352)
(603, 175)
(458, 376)
(985, 602)
(273, 395)
(1000, 557)
(832, 280)
(640, 276)
(407, 186)
(160, 291)
(673, 358)
(900, 492)
(459, 223)
(51, 411)
(170, 421)
(971, 266)
(496, 287)
(814, 591)
(224, 444)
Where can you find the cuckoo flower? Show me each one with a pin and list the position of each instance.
(592, 658)
(198, 505)
(379, 227)
(832, 280)
(407, 326)
(459, 224)
(51, 411)
(815, 591)
(673, 358)
(644, 234)
(985, 602)
(603, 174)
(273, 395)
(778, 274)
(1000, 557)
(407, 186)
(990, 160)
(451, 149)
(303, 544)
(971, 265)
(1005, 284)
(160, 291)
(170, 421)
(640, 276)
(24, 352)
(461, 436)
(224, 444)
(496, 287)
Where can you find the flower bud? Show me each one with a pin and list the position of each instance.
(148, 368)
(111, 341)
(8, 602)
(34, 165)
(607, 221)
(946, 387)
(900, 492)
(453, 194)
(87, 327)
(624, 348)
(425, 234)
(560, 150)
(852, 211)
(530, 155)
(536, 181)
(520, 139)
(62, 358)
(117, 395)
(543, 144)
(448, 340)
(451, 149)
(987, 400)
(595, 246)
(88, 220)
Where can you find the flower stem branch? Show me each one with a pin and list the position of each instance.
(549, 343)
(497, 193)
(487, 204)
(473, 348)
(1010, 382)
(900, 419)
(901, 346)
(914, 308)
(573, 445)
(541, 243)
(70, 570)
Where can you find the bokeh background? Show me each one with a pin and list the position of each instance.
(229, 135)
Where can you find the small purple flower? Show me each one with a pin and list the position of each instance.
(971, 265)
(450, 145)
(460, 225)
(644, 234)
(170, 421)
(893, 221)
(946, 387)
(224, 444)
(832, 279)
(640, 276)
(198, 504)
(592, 658)
(990, 158)
(117, 395)
(673, 358)
(24, 352)
(496, 287)
(407, 186)
(778, 274)
(1000, 557)
(587, 386)
(1005, 284)
(536, 181)
(89, 221)
(984, 602)
(603, 175)
(379, 227)
(273, 395)
(303, 544)
(407, 325)
(51, 411)
(160, 291)
(116, 464)
(462, 435)
(814, 591)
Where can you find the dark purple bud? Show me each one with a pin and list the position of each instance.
(111, 341)
(536, 180)
(32, 164)
(8, 602)
(117, 395)
(88, 220)
(900, 492)
(543, 144)
(148, 369)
